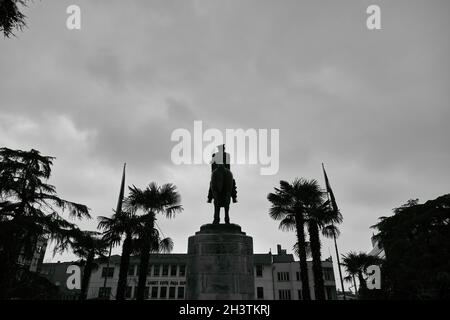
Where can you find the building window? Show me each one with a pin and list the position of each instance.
(146, 291)
(149, 271)
(163, 293)
(283, 276)
(259, 270)
(284, 294)
(259, 293)
(173, 270)
(107, 272)
(172, 292)
(128, 292)
(328, 274)
(182, 271)
(299, 294)
(154, 293)
(156, 270)
(165, 271)
(104, 292)
(297, 275)
(131, 270)
(180, 294)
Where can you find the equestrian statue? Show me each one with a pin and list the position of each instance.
(222, 187)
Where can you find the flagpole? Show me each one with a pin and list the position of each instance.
(118, 210)
(339, 267)
(334, 236)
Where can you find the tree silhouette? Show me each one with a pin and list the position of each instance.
(417, 248)
(28, 210)
(320, 217)
(11, 17)
(87, 245)
(356, 265)
(289, 208)
(123, 225)
(151, 201)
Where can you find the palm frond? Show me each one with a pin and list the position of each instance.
(288, 223)
(166, 245)
(331, 231)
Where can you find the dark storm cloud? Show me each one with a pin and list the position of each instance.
(372, 105)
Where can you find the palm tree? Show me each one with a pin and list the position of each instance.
(320, 218)
(28, 209)
(151, 201)
(290, 203)
(148, 241)
(122, 224)
(356, 265)
(87, 245)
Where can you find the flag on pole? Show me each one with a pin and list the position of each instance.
(121, 193)
(330, 191)
(118, 211)
(336, 210)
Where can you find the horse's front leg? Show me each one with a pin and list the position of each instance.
(227, 217)
(216, 214)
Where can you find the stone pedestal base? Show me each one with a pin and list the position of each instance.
(220, 264)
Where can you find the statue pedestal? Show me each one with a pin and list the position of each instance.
(220, 264)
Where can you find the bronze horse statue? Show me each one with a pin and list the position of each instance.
(223, 188)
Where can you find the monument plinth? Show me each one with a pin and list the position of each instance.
(220, 256)
(220, 264)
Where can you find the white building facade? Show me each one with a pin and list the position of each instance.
(166, 278)
(277, 277)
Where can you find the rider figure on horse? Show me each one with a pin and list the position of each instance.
(222, 186)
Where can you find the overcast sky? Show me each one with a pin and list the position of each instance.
(372, 105)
